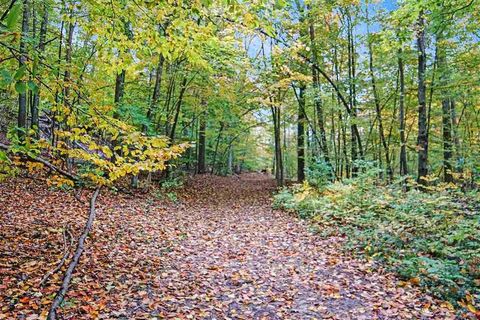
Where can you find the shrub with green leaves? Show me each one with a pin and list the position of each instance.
(433, 238)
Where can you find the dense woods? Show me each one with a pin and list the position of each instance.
(369, 106)
(390, 83)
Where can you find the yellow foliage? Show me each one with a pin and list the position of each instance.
(59, 181)
(34, 167)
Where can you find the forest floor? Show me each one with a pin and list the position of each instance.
(219, 252)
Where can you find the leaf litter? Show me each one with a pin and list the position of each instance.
(220, 252)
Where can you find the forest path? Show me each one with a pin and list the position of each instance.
(221, 252)
(239, 259)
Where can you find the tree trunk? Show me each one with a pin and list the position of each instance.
(177, 110)
(57, 78)
(318, 100)
(22, 96)
(301, 134)
(215, 152)
(68, 61)
(356, 148)
(456, 138)
(422, 138)
(446, 111)
(41, 49)
(156, 90)
(278, 145)
(403, 142)
(119, 87)
(378, 110)
(201, 160)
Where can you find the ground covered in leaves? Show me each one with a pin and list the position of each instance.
(219, 252)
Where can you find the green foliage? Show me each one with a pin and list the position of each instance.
(433, 238)
(169, 187)
(319, 173)
(13, 16)
(285, 200)
(172, 184)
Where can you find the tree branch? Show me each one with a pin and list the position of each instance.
(52, 314)
(45, 163)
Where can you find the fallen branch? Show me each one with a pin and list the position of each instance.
(66, 253)
(45, 163)
(52, 314)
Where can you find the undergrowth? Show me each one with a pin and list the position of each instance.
(430, 239)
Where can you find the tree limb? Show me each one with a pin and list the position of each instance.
(52, 314)
(66, 250)
(45, 163)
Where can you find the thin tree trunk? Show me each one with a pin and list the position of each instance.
(177, 110)
(22, 96)
(156, 90)
(456, 138)
(119, 87)
(57, 77)
(278, 145)
(41, 49)
(68, 61)
(378, 110)
(217, 143)
(355, 138)
(422, 138)
(403, 142)
(301, 134)
(318, 100)
(446, 111)
(201, 161)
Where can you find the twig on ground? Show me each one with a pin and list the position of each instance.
(66, 253)
(52, 314)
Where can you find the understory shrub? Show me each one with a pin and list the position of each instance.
(430, 239)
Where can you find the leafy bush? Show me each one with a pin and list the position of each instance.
(432, 238)
(319, 173)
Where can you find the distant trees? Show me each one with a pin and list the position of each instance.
(280, 86)
(362, 99)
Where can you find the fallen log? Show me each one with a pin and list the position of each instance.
(66, 253)
(57, 301)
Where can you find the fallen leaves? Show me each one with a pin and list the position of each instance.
(221, 253)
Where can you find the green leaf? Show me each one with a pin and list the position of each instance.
(21, 87)
(20, 73)
(3, 157)
(32, 86)
(13, 16)
(5, 78)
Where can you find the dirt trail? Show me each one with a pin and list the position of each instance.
(220, 253)
(240, 259)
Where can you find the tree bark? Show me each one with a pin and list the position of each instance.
(301, 134)
(215, 152)
(119, 87)
(156, 90)
(22, 96)
(378, 110)
(318, 100)
(403, 142)
(68, 61)
(278, 145)
(201, 160)
(422, 138)
(456, 138)
(446, 111)
(177, 109)
(41, 49)
(356, 147)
